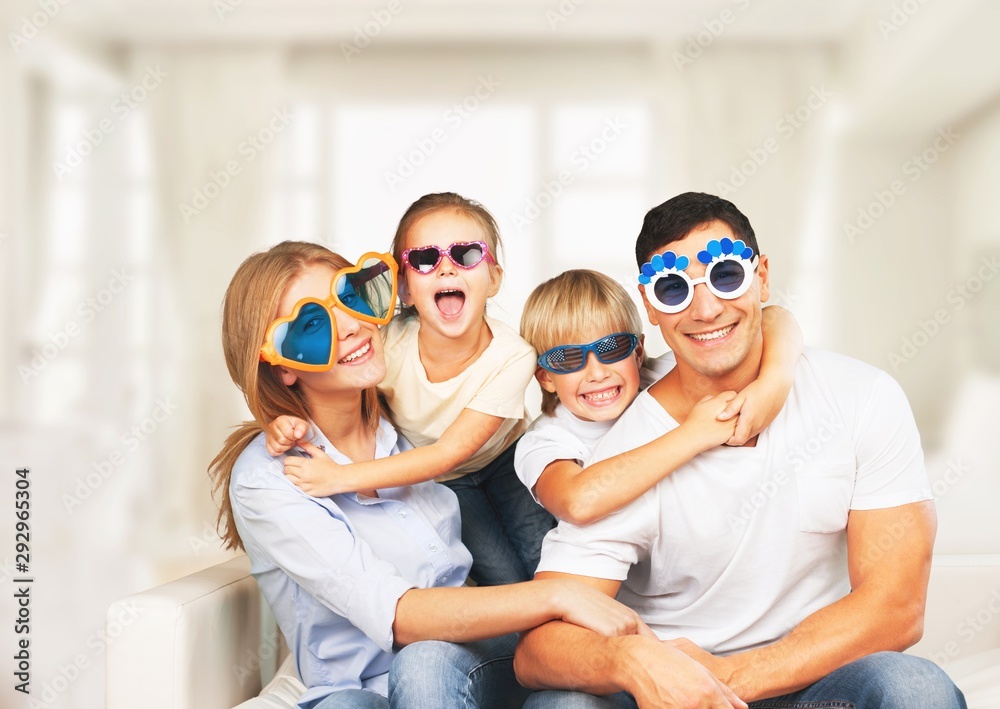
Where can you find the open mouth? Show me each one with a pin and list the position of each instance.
(357, 355)
(714, 335)
(450, 302)
(604, 397)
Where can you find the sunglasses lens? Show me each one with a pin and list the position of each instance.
(614, 348)
(727, 276)
(671, 290)
(565, 359)
(466, 255)
(307, 338)
(423, 260)
(367, 291)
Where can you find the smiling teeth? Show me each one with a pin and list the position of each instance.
(357, 353)
(603, 396)
(714, 335)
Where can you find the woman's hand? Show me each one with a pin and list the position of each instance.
(590, 608)
(317, 475)
(284, 433)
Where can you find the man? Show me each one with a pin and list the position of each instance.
(794, 567)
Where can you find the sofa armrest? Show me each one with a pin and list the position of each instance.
(963, 608)
(192, 643)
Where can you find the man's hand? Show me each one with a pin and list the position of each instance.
(316, 476)
(666, 676)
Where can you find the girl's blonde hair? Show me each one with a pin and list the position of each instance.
(572, 306)
(437, 202)
(249, 307)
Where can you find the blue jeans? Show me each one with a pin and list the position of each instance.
(502, 525)
(885, 680)
(440, 675)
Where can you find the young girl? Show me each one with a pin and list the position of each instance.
(589, 334)
(455, 387)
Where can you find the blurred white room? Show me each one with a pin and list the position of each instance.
(148, 146)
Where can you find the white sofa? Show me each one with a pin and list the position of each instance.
(207, 642)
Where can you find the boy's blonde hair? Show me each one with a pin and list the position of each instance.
(571, 307)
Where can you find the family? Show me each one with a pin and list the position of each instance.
(705, 529)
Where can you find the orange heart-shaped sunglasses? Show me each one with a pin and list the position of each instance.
(306, 339)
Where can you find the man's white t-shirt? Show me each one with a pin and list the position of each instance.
(739, 545)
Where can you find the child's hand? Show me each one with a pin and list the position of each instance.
(284, 433)
(754, 408)
(707, 423)
(315, 476)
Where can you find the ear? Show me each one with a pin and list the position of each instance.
(287, 376)
(651, 312)
(496, 276)
(544, 378)
(765, 278)
(640, 348)
(403, 291)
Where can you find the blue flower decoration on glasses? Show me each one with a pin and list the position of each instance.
(730, 266)
(716, 250)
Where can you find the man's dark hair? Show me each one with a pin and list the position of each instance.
(680, 215)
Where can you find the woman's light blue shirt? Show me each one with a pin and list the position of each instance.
(333, 568)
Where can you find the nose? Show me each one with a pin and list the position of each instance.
(705, 306)
(346, 324)
(446, 267)
(594, 369)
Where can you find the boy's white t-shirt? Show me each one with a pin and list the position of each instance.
(564, 436)
(739, 545)
(494, 384)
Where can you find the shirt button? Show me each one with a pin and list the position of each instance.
(434, 547)
(402, 514)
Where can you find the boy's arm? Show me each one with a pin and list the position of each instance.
(884, 610)
(319, 476)
(761, 401)
(584, 495)
(559, 655)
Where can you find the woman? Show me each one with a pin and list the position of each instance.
(353, 578)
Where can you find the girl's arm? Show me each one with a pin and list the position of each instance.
(463, 614)
(319, 476)
(585, 495)
(761, 401)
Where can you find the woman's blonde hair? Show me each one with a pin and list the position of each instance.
(572, 306)
(437, 202)
(249, 307)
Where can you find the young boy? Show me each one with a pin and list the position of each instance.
(586, 387)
